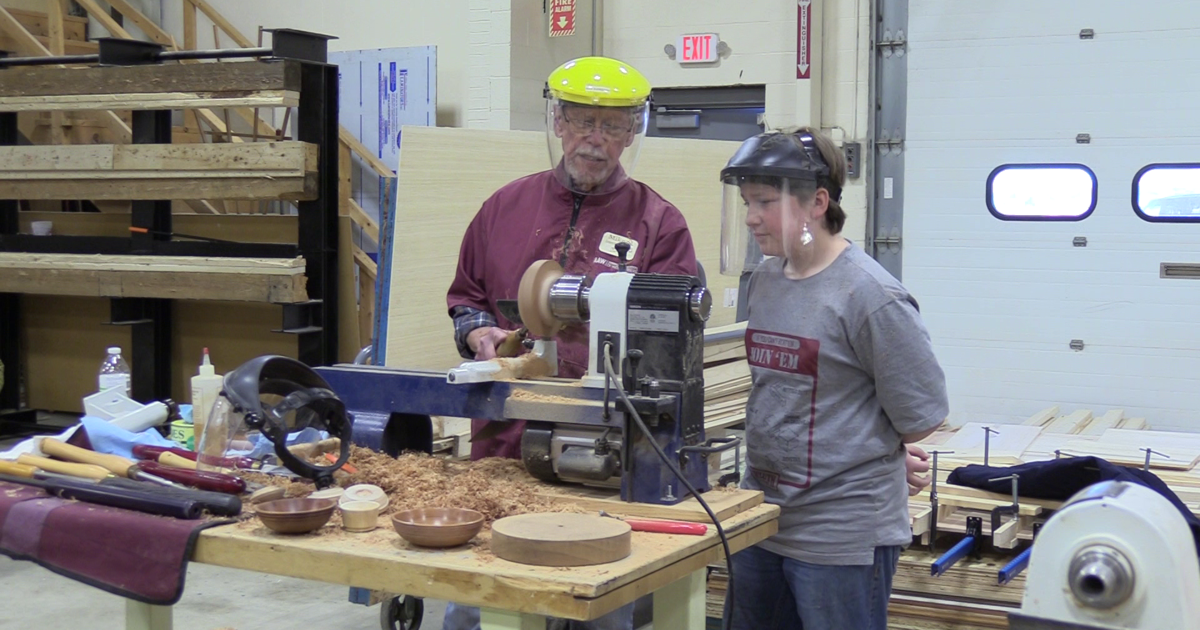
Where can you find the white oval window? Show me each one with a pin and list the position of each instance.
(1167, 192)
(1041, 192)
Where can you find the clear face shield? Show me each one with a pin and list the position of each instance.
(760, 217)
(593, 149)
(276, 422)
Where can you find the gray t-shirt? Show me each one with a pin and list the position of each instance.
(842, 366)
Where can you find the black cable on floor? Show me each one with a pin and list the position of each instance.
(727, 620)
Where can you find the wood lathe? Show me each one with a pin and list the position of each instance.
(646, 352)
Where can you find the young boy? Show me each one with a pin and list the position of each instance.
(843, 377)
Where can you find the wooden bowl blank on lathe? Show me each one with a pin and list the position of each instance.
(560, 540)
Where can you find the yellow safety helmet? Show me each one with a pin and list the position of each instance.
(598, 81)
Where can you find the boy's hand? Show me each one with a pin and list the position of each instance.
(916, 463)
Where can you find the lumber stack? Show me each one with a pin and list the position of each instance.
(726, 378)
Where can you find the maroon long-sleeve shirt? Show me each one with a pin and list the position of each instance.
(528, 220)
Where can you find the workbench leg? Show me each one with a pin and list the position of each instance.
(139, 616)
(680, 604)
(490, 619)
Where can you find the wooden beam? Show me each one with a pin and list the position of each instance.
(258, 170)
(383, 170)
(175, 100)
(368, 225)
(57, 33)
(105, 20)
(152, 30)
(365, 263)
(218, 126)
(220, 21)
(272, 84)
(24, 39)
(74, 28)
(189, 25)
(55, 27)
(278, 281)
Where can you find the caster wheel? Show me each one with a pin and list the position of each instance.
(401, 613)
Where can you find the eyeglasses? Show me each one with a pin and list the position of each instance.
(587, 124)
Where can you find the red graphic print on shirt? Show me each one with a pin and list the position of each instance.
(789, 410)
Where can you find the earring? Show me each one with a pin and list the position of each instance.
(806, 237)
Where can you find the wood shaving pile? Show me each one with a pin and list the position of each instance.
(494, 487)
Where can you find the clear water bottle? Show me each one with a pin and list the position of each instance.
(114, 372)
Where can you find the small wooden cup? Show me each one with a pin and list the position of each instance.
(359, 516)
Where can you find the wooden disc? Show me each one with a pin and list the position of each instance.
(560, 540)
(533, 297)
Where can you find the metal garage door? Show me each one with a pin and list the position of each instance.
(1031, 313)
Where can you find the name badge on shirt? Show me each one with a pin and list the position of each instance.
(608, 245)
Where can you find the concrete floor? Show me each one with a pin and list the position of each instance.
(213, 598)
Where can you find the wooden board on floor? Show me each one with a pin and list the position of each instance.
(1073, 422)
(445, 175)
(252, 170)
(473, 577)
(724, 503)
(174, 86)
(1010, 440)
(176, 277)
(1041, 418)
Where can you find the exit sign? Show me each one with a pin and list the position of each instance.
(701, 48)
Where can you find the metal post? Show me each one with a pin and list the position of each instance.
(933, 500)
(1149, 452)
(10, 303)
(150, 355)
(317, 122)
(987, 442)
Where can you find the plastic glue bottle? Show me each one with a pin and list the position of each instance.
(206, 386)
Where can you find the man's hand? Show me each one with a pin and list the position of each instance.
(483, 341)
(916, 463)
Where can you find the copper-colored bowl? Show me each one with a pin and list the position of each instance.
(296, 516)
(437, 527)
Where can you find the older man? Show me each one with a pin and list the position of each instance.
(575, 213)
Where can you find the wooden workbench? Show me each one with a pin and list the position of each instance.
(511, 596)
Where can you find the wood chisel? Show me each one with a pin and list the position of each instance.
(661, 527)
(84, 471)
(145, 451)
(115, 464)
(217, 503)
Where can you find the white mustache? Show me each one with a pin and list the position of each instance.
(598, 155)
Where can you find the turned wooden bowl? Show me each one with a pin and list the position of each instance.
(437, 527)
(295, 516)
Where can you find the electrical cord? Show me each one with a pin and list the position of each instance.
(609, 376)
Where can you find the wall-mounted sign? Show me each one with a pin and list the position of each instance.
(697, 48)
(562, 18)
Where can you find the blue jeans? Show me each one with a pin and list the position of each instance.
(459, 617)
(773, 592)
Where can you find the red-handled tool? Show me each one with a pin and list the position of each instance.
(145, 451)
(661, 527)
(199, 479)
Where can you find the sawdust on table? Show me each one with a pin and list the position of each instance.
(493, 487)
(529, 396)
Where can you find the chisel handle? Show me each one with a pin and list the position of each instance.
(174, 461)
(204, 480)
(16, 470)
(666, 527)
(115, 463)
(86, 471)
(146, 451)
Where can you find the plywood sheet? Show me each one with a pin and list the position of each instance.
(446, 174)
